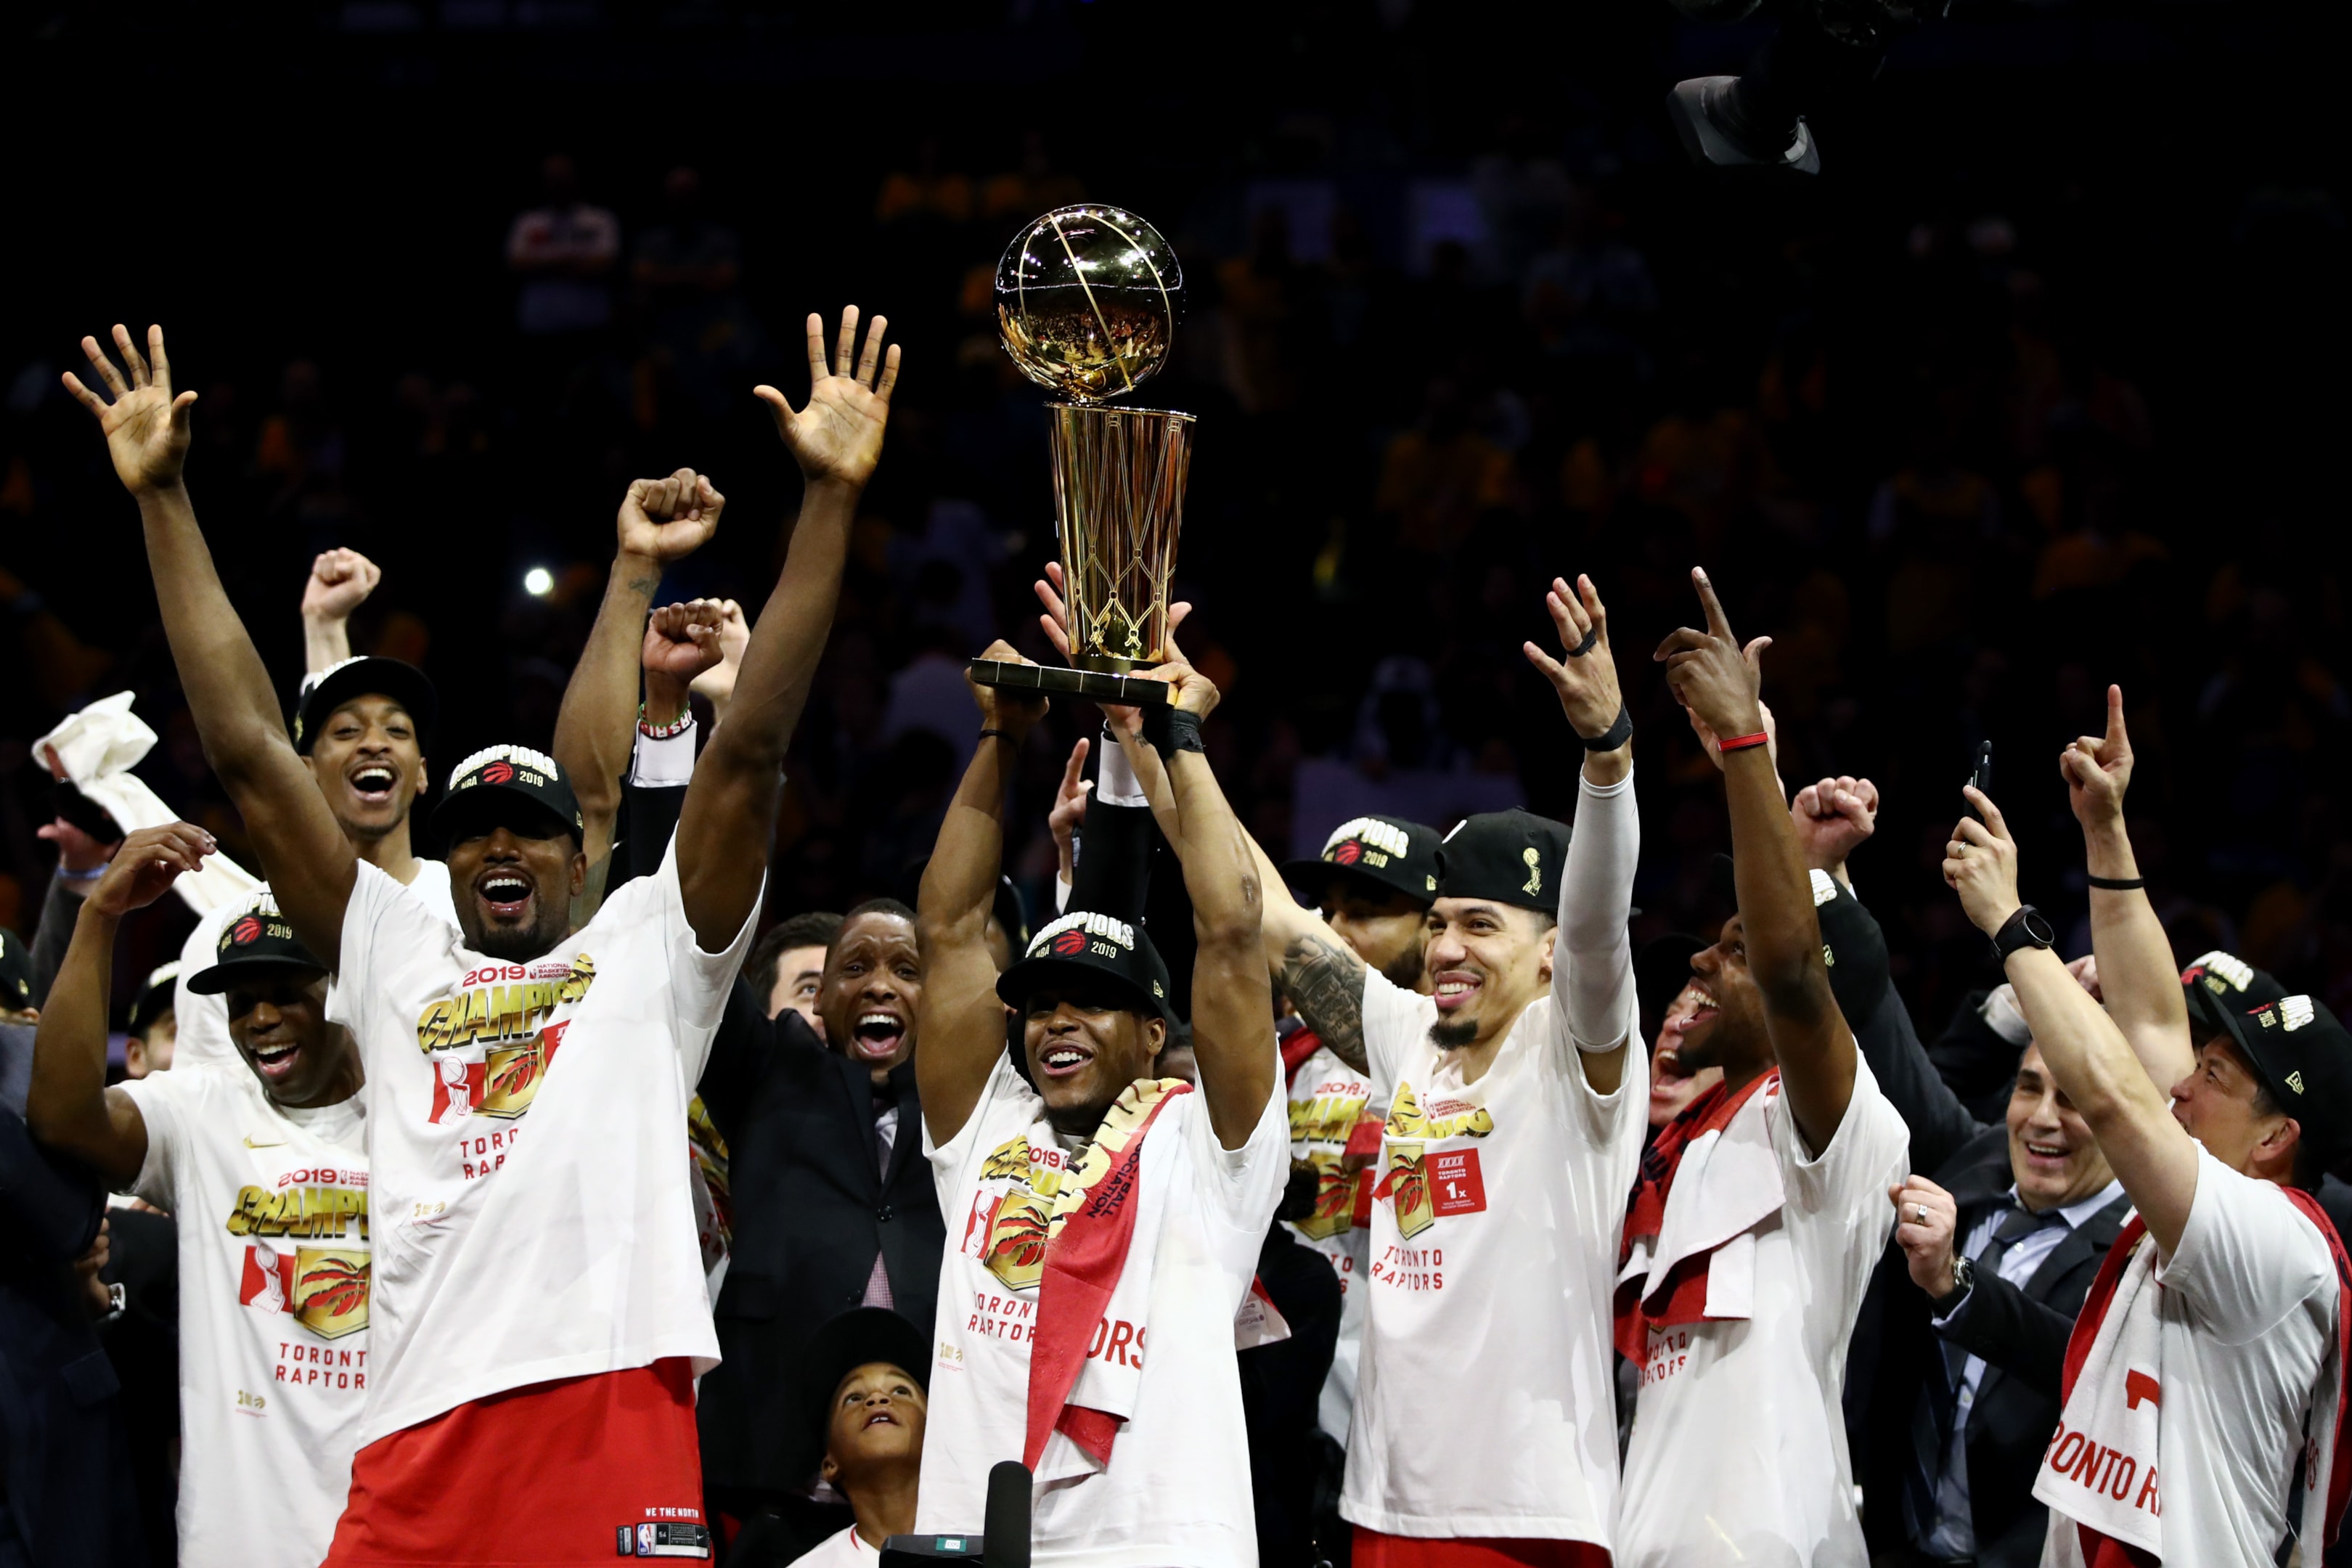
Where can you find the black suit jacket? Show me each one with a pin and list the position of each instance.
(144, 1345)
(65, 1500)
(813, 1209)
(2020, 1330)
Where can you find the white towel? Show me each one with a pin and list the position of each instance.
(97, 748)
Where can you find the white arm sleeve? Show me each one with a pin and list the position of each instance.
(1594, 971)
(668, 761)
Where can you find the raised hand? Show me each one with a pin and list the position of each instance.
(669, 519)
(146, 428)
(2098, 769)
(1056, 620)
(1070, 806)
(716, 684)
(1586, 678)
(838, 435)
(76, 851)
(1927, 1220)
(340, 581)
(682, 640)
(1193, 692)
(1715, 678)
(1834, 818)
(1980, 865)
(1000, 708)
(150, 861)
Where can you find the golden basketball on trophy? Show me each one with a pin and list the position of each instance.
(1086, 300)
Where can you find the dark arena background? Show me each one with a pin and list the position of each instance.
(2038, 385)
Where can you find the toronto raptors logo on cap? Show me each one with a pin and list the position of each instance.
(246, 930)
(497, 772)
(1348, 854)
(1070, 942)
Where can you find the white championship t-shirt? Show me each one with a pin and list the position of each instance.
(202, 1021)
(503, 1260)
(2245, 1322)
(1177, 1492)
(1328, 1098)
(272, 1206)
(1484, 1403)
(1739, 1451)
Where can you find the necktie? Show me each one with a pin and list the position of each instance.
(1937, 1408)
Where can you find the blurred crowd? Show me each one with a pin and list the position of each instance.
(1916, 436)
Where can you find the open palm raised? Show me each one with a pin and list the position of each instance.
(838, 434)
(146, 428)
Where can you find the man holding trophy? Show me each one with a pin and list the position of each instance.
(1093, 1205)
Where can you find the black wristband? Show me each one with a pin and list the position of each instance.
(2118, 884)
(1183, 734)
(1001, 734)
(1619, 731)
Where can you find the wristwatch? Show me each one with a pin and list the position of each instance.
(1963, 1279)
(2025, 928)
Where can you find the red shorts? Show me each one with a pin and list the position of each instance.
(1374, 1549)
(550, 1476)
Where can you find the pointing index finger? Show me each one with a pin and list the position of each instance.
(1717, 622)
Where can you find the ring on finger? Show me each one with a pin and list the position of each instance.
(1919, 1213)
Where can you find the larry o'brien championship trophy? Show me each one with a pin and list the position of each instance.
(1086, 299)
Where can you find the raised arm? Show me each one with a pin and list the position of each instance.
(2139, 978)
(961, 1023)
(1233, 1004)
(661, 521)
(729, 811)
(340, 581)
(1718, 681)
(2127, 1111)
(1595, 980)
(309, 864)
(68, 1107)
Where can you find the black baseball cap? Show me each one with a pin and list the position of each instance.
(1086, 946)
(339, 683)
(260, 938)
(2218, 983)
(512, 785)
(1387, 852)
(16, 972)
(2303, 1057)
(156, 995)
(1507, 857)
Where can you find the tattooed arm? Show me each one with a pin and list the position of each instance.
(1322, 975)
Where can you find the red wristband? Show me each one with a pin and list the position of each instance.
(1741, 742)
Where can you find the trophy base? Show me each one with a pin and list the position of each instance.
(1094, 685)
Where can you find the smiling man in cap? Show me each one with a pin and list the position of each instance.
(360, 727)
(1091, 1205)
(264, 1161)
(1515, 1087)
(1374, 882)
(539, 1305)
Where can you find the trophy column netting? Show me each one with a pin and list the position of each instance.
(1118, 496)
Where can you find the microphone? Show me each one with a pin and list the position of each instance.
(1004, 1542)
